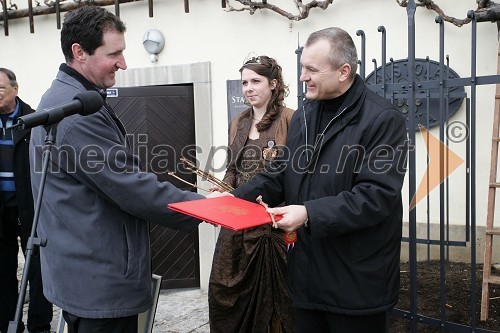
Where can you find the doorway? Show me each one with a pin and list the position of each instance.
(160, 123)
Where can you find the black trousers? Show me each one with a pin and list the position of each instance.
(328, 322)
(107, 325)
(39, 309)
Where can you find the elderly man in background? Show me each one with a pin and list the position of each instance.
(16, 212)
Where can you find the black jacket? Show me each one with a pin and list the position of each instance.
(22, 173)
(347, 259)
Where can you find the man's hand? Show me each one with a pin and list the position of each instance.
(216, 194)
(294, 216)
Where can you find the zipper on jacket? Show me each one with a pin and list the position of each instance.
(318, 138)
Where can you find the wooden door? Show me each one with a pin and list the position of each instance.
(160, 122)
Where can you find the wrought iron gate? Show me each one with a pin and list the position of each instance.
(447, 90)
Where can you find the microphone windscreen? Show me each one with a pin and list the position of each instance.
(91, 102)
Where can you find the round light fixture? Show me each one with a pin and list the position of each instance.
(153, 42)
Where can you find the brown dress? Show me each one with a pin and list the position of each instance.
(247, 289)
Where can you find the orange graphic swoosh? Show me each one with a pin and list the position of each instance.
(451, 162)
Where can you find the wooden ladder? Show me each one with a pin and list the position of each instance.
(491, 231)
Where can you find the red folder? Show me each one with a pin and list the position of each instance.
(229, 212)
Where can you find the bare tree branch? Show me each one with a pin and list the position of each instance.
(487, 10)
(66, 6)
(303, 10)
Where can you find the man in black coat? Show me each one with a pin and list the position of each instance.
(340, 179)
(16, 212)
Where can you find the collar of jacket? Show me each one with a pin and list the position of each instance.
(87, 85)
(243, 128)
(351, 106)
(19, 132)
(83, 81)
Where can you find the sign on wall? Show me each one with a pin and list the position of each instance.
(235, 100)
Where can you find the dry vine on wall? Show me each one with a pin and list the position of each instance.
(487, 10)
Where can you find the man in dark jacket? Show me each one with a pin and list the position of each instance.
(341, 181)
(16, 213)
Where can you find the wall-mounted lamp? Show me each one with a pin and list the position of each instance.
(153, 42)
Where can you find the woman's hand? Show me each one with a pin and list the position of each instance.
(216, 194)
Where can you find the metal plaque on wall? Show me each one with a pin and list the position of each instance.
(426, 97)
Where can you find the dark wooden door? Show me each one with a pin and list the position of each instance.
(160, 123)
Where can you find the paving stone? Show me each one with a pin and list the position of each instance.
(178, 310)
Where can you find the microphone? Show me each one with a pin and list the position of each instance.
(84, 103)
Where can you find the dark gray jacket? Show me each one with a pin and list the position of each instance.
(95, 206)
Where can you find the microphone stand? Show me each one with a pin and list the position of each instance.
(32, 240)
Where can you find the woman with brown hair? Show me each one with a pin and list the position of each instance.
(247, 289)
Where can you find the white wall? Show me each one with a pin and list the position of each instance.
(224, 39)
